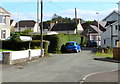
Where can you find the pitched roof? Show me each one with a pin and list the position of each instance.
(26, 23)
(109, 22)
(64, 26)
(96, 28)
(117, 12)
(3, 11)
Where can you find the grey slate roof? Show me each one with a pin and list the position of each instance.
(26, 23)
(117, 12)
(64, 26)
(96, 29)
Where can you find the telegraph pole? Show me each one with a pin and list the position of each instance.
(76, 19)
(38, 16)
(41, 28)
(76, 16)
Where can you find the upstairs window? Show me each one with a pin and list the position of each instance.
(2, 19)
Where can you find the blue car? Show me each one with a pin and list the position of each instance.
(72, 47)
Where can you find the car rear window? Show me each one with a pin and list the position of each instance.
(69, 44)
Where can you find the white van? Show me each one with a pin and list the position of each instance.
(23, 38)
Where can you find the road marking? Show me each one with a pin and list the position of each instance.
(83, 80)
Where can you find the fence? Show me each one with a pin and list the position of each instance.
(12, 57)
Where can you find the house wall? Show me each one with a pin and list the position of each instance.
(6, 27)
(110, 36)
(106, 37)
(67, 32)
(23, 28)
(79, 29)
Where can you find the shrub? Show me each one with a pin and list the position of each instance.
(15, 37)
(56, 41)
(23, 45)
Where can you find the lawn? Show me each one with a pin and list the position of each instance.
(105, 55)
(1, 50)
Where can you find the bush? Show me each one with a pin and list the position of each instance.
(15, 37)
(23, 45)
(104, 50)
(56, 41)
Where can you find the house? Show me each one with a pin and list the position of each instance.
(92, 32)
(112, 33)
(4, 24)
(26, 24)
(68, 28)
(111, 36)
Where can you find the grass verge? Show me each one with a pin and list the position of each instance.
(1, 50)
(104, 55)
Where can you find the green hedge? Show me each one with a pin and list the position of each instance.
(23, 45)
(56, 41)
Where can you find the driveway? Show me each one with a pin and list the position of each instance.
(71, 67)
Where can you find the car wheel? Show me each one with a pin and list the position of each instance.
(76, 51)
(80, 50)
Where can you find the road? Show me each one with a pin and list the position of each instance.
(70, 67)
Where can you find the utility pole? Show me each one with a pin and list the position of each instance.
(38, 16)
(98, 32)
(75, 16)
(76, 19)
(42, 28)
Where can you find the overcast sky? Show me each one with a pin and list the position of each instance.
(86, 9)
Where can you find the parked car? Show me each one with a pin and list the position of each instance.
(92, 44)
(71, 47)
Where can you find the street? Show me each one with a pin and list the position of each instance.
(69, 67)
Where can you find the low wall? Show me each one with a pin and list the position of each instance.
(12, 57)
(1, 56)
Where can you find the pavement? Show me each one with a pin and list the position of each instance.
(102, 78)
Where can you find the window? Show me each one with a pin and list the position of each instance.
(2, 19)
(116, 27)
(119, 27)
(3, 34)
(104, 41)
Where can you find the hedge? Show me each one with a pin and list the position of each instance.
(23, 45)
(56, 41)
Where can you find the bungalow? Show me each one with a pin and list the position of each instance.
(4, 24)
(26, 24)
(68, 28)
